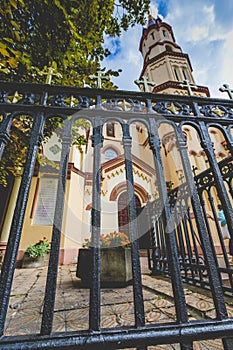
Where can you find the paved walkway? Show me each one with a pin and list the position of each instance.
(72, 301)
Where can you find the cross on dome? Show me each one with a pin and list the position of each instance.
(152, 20)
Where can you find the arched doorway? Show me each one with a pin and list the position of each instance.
(142, 216)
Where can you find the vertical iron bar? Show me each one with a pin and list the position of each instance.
(51, 283)
(177, 285)
(188, 244)
(195, 249)
(181, 242)
(230, 187)
(156, 250)
(5, 126)
(202, 201)
(9, 262)
(133, 229)
(97, 143)
(154, 261)
(164, 262)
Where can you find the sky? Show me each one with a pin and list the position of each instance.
(203, 29)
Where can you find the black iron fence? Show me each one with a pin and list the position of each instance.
(182, 244)
(194, 268)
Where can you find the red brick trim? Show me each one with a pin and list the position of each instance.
(138, 189)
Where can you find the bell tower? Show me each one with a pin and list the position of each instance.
(164, 62)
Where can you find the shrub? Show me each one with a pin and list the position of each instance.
(41, 248)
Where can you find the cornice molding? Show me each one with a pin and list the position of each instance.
(164, 54)
(176, 85)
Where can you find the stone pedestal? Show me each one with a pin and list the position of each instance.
(115, 266)
(29, 262)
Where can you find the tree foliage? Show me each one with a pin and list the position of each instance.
(15, 153)
(66, 35)
(71, 33)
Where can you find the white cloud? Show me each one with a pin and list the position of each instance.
(129, 59)
(199, 33)
(209, 11)
(154, 10)
(226, 70)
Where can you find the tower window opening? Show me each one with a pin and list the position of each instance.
(168, 48)
(176, 73)
(110, 129)
(164, 33)
(152, 36)
(184, 74)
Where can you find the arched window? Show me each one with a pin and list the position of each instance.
(109, 154)
(164, 33)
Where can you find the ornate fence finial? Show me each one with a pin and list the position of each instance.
(100, 76)
(144, 81)
(4, 69)
(189, 87)
(226, 88)
(49, 74)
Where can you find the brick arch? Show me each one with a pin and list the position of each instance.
(138, 189)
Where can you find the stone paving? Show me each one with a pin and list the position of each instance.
(72, 304)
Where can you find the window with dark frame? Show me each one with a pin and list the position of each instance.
(110, 129)
(44, 202)
(184, 74)
(176, 73)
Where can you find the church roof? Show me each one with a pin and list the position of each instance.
(152, 20)
(155, 23)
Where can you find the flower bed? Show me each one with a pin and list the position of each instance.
(112, 239)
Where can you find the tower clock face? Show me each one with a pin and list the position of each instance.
(109, 154)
